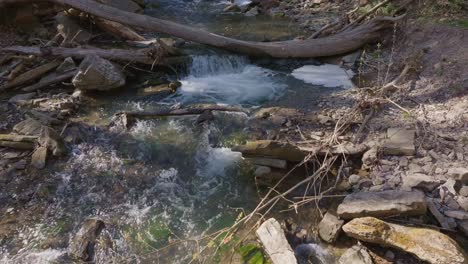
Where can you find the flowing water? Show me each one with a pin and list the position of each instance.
(165, 179)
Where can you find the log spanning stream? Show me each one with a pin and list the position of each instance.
(167, 179)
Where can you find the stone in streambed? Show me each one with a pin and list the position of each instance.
(420, 181)
(400, 142)
(82, 244)
(39, 158)
(274, 241)
(382, 204)
(96, 73)
(358, 254)
(330, 226)
(458, 174)
(271, 149)
(426, 244)
(273, 163)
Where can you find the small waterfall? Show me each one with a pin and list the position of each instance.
(214, 64)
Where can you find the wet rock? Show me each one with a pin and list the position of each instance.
(82, 244)
(253, 12)
(205, 117)
(271, 149)
(68, 64)
(96, 73)
(400, 142)
(426, 244)
(262, 171)
(160, 91)
(358, 254)
(273, 163)
(28, 127)
(420, 181)
(50, 139)
(330, 226)
(381, 204)
(458, 174)
(70, 30)
(457, 214)
(39, 158)
(274, 241)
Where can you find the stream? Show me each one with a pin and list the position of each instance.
(168, 179)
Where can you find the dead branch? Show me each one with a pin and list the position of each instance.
(31, 75)
(59, 78)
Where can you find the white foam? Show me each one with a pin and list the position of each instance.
(38, 257)
(228, 79)
(327, 75)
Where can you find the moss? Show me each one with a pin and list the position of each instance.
(234, 139)
(252, 254)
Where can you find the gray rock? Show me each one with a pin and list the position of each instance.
(434, 207)
(354, 179)
(463, 202)
(382, 204)
(463, 226)
(369, 157)
(273, 163)
(458, 174)
(50, 139)
(82, 244)
(262, 171)
(252, 12)
(358, 254)
(420, 181)
(96, 73)
(67, 65)
(330, 227)
(39, 158)
(457, 214)
(463, 191)
(22, 99)
(274, 241)
(399, 142)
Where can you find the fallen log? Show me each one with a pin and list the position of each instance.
(128, 118)
(118, 29)
(17, 145)
(31, 75)
(57, 79)
(150, 56)
(340, 43)
(17, 138)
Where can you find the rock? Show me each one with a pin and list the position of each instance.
(274, 241)
(262, 171)
(463, 191)
(463, 202)
(273, 163)
(463, 226)
(358, 254)
(70, 30)
(381, 204)
(82, 244)
(160, 91)
(458, 174)
(448, 188)
(354, 179)
(96, 73)
(426, 244)
(389, 255)
(22, 99)
(330, 226)
(271, 149)
(39, 158)
(434, 207)
(50, 139)
(232, 8)
(457, 214)
(400, 142)
(68, 64)
(28, 127)
(370, 157)
(252, 12)
(420, 181)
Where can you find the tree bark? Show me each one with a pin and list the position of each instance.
(332, 45)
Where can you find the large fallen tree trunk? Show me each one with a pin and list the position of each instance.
(337, 44)
(150, 56)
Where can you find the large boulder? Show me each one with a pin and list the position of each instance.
(96, 73)
(82, 244)
(382, 204)
(426, 244)
(274, 241)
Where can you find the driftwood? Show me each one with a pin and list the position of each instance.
(153, 55)
(118, 29)
(59, 78)
(31, 75)
(340, 43)
(17, 145)
(17, 138)
(128, 118)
